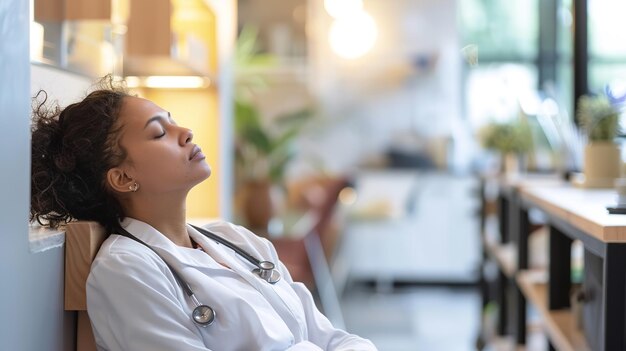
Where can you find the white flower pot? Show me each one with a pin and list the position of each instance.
(601, 164)
(512, 165)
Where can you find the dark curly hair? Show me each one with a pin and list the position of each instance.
(72, 150)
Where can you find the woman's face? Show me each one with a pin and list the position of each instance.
(161, 156)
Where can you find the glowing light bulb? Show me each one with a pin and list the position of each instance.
(353, 36)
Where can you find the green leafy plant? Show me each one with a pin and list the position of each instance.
(249, 58)
(263, 151)
(598, 118)
(507, 137)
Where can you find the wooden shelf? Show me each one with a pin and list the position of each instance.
(559, 324)
(507, 343)
(535, 341)
(505, 255)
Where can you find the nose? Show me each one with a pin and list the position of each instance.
(186, 136)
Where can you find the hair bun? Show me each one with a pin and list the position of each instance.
(71, 152)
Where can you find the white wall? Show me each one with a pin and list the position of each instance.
(31, 297)
(61, 86)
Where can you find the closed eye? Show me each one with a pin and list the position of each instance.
(160, 136)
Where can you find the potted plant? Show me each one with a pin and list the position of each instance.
(262, 153)
(264, 145)
(600, 122)
(511, 139)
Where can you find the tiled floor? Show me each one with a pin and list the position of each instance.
(414, 318)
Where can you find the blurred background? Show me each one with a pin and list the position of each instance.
(359, 136)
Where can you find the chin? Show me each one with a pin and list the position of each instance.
(208, 171)
(206, 174)
(199, 175)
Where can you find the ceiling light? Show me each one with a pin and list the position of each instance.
(353, 36)
(167, 82)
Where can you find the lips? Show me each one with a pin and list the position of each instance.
(196, 151)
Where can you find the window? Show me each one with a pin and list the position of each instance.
(506, 36)
(607, 50)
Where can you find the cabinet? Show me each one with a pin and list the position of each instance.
(170, 38)
(85, 37)
(411, 227)
(61, 10)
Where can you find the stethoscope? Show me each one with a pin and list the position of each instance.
(204, 315)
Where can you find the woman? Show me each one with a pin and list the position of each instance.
(124, 162)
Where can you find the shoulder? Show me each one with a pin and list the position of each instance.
(119, 255)
(125, 267)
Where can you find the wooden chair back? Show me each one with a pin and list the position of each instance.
(82, 242)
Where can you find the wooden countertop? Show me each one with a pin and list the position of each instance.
(518, 183)
(585, 209)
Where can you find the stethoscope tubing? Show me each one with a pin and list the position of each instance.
(204, 315)
(230, 245)
(265, 269)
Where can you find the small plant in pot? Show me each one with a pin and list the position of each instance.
(599, 120)
(511, 139)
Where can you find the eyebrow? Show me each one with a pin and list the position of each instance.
(156, 118)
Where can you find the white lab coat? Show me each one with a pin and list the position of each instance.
(135, 303)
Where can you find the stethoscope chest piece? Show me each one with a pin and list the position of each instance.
(203, 315)
(267, 272)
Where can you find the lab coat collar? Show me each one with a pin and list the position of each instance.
(164, 246)
(214, 254)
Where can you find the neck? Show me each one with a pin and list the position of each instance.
(165, 213)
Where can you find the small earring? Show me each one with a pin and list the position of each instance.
(133, 187)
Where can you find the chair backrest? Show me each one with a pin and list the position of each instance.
(82, 242)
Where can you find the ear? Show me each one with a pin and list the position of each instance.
(118, 180)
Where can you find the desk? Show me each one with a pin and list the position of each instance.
(571, 214)
(581, 214)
